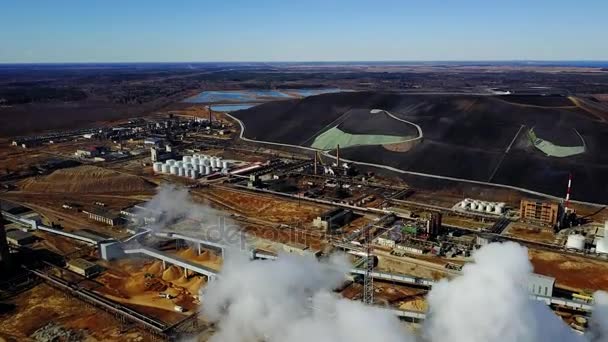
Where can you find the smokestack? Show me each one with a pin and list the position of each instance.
(4, 251)
(338, 155)
(567, 202)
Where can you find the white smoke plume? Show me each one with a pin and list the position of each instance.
(172, 209)
(291, 300)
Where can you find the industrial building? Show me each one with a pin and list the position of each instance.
(19, 238)
(84, 267)
(481, 207)
(192, 166)
(543, 213)
(108, 217)
(433, 225)
(541, 285)
(333, 219)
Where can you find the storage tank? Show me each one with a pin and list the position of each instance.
(464, 204)
(171, 162)
(188, 166)
(601, 245)
(196, 161)
(200, 169)
(179, 163)
(186, 159)
(166, 168)
(181, 172)
(490, 208)
(157, 167)
(193, 174)
(207, 170)
(499, 209)
(224, 164)
(206, 162)
(174, 169)
(575, 241)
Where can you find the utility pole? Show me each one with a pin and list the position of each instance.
(368, 281)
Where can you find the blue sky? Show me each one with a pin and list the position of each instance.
(292, 30)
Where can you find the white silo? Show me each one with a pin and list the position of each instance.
(186, 159)
(166, 168)
(196, 161)
(174, 169)
(207, 170)
(188, 166)
(464, 204)
(490, 208)
(224, 164)
(171, 162)
(157, 167)
(601, 245)
(200, 169)
(181, 172)
(499, 208)
(206, 162)
(193, 174)
(575, 241)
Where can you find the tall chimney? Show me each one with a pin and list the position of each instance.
(338, 155)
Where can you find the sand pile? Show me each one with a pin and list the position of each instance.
(172, 274)
(90, 179)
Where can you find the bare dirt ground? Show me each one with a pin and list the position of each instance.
(571, 271)
(88, 179)
(43, 304)
(530, 232)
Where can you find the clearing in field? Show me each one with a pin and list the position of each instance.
(329, 139)
(553, 150)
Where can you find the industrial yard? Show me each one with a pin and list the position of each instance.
(124, 226)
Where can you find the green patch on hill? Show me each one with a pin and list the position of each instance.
(329, 139)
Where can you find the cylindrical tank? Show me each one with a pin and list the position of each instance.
(188, 166)
(179, 163)
(490, 208)
(186, 159)
(206, 162)
(174, 169)
(498, 209)
(464, 204)
(166, 168)
(157, 167)
(224, 164)
(181, 172)
(601, 245)
(207, 170)
(171, 162)
(196, 161)
(200, 169)
(575, 241)
(193, 174)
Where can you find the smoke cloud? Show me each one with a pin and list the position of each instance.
(172, 209)
(291, 300)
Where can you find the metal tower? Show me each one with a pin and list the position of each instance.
(368, 281)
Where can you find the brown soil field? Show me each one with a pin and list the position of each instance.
(570, 271)
(88, 179)
(44, 304)
(531, 233)
(268, 208)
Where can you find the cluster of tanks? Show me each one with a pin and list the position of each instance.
(193, 166)
(484, 207)
(578, 242)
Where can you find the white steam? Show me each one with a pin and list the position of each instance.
(172, 209)
(291, 300)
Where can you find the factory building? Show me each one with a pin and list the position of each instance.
(84, 267)
(543, 213)
(541, 285)
(108, 217)
(433, 225)
(19, 238)
(333, 219)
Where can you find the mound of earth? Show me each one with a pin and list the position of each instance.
(89, 179)
(479, 138)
